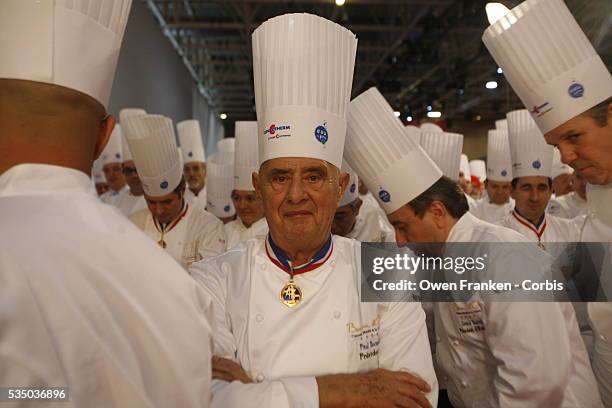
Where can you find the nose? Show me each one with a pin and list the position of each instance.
(296, 192)
(568, 153)
(158, 209)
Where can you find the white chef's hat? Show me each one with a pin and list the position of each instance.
(499, 164)
(190, 140)
(445, 150)
(97, 174)
(219, 184)
(549, 62)
(153, 145)
(226, 145)
(531, 155)
(501, 124)
(414, 133)
(558, 167)
(478, 168)
(113, 152)
(464, 166)
(392, 166)
(303, 71)
(352, 189)
(123, 114)
(74, 44)
(431, 127)
(246, 160)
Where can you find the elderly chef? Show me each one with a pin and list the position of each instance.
(194, 161)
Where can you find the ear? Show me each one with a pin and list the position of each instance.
(343, 181)
(439, 213)
(358, 206)
(255, 181)
(106, 129)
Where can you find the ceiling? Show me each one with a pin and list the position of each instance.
(419, 53)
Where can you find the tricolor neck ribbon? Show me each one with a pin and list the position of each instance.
(164, 229)
(537, 229)
(280, 259)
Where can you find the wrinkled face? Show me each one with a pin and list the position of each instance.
(114, 176)
(563, 184)
(465, 183)
(195, 175)
(585, 146)
(166, 208)
(411, 228)
(345, 218)
(532, 194)
(131, 176)
(101, 188)
(300, 196)
(249, 206)
(498, 191)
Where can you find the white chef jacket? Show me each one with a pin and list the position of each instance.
(236, 232)
(570, 205)
(111, 196)
(372, 227)
(198, 235)
(128, 203)
(521, 357)
(283, 349)
(196, 200)
(598, 228)
(81, 307)
(471, 202)
(489, 212)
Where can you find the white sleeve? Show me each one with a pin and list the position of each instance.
(213, 240)
(530, 344)
(404, 344)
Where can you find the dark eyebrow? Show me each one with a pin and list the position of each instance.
(317, 169)
(278, 172)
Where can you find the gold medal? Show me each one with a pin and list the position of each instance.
(541, 245)
(162, 243)
(291, 294)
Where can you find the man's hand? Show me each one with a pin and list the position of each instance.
(375, 389)
(228, 370)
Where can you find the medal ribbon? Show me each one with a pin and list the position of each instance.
(163, 230)
(538, 230)
(280, 259)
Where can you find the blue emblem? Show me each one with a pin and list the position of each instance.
(353, 187)
(190, 154)
(321, 134)
(163, 185)
(117, 155)
(536, 164)
(226, 208)
(384, 196)
(576, 90)
(504, 173)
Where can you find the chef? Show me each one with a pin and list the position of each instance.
(187, 233)
(465, 180)
(519, 354)
(79, 308)
(194, 159)
(291, 330)
(350, 222)
(250, 221)
(130, 200)
(478, 170)
(496, 204)
(574, 204)
(112, 159)
(567, 89)
(220, 186)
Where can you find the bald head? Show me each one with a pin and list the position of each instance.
(50, 124)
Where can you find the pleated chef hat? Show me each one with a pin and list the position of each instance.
(226, 145)
(501, 124)
(558, 167)
(464, 166)
(153, 145)
(190, 140)
(478, 168)
(97, 174)
(303, 72)
(549, 61)
(113, 152)
(246, 157)
(124, 113)
(352, 189)
(531, 155)
(70, 43)
(431, 127)
(392, 166)
(414, 133)
(219, 184)
(499, 163)
(445, 150)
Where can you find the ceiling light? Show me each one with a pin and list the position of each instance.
(340, 2)
(409, 118)
(495, 11)
(434, 114)
(429, 108)
(223, 116)
(491, 85)
(499, 70)
(397, 114)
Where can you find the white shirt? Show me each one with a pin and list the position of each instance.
(196, 200)
(372, 227)
(81, 307)
(236, 233)
(111, 195)
(522, 356)
(570, 205)
(283, 349)
(493, 213)
(197, 235)
(471, 202)
(128, 203)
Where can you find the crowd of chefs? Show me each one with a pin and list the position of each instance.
(232, 279)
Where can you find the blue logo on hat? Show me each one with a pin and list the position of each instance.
(576, 90)
(190, 154)
(226, 208)
(163, 185)
(384, 196)
(536, 164)
(353, 188)
(321, 133)
(504, 173)
(117, 155)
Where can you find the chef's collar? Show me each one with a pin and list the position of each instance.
(280, 259)
(523, 218)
